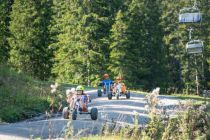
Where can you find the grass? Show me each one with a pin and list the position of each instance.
(191, 97)
(23, 97)
(20, 96)
(105, 138)
(177, 128)
(64, 86)
(199, 99)
(180, 96)
(139, 92)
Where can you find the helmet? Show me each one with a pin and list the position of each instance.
(106, 75)
(80, 88)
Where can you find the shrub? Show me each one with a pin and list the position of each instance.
(21, 96)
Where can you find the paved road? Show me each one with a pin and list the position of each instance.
(122, 111)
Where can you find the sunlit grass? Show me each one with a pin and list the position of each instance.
(139, 92)
(179, 96)
(112, 137)
(20, 96)
(195, 97)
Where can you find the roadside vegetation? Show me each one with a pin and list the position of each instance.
(21, 96)
(71, 41)
(191, 122)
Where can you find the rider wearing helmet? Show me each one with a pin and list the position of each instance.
(107, 82)
(80, 89)
(106, 76)
(82, 97)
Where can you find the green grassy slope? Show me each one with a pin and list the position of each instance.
(20, 96)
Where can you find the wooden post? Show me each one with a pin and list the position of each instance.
(196, 77)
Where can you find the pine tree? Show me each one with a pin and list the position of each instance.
(137, 47)
(154, 51)
(205, 34)
(30, 37)
(82, 41)
(181, 66)
(119, 46)
(175, 49)
(68, 66)
(145, 51)
(58, 11)
(5, 8)
(137, 51)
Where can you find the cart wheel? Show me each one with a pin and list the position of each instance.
(99, 93)
(65, 113)
(74, 114)
(109, 96)
(94, 113)
(128, 95)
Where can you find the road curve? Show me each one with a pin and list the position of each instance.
(122, 111)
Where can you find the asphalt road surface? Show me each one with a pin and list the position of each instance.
(121, 111)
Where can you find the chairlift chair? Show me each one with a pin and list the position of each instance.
(194, 46)
(190, 15)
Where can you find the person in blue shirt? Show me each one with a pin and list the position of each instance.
(107, 83)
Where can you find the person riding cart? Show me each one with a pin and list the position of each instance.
(106, 85)
(83, 98)
(119, 85)
(119, 89)
(78, 104)
(70, 94)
